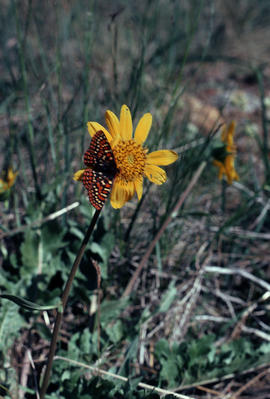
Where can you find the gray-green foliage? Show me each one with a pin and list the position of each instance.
(201, 359)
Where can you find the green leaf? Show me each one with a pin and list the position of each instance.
(44, 331)
(10, 323)
(77, 232)
(24, 303)
(115, 331)
(170, 371)
(199, 349)
(265, 348)
(168, 297)
(29, 251)
(52, 237)
(110, 310)
(103, 249)
(162, 347)
(85, 341)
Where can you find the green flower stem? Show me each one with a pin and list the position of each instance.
(61, 309)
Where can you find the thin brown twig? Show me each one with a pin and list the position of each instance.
(208, 390)
(143, 262)
(224, 378)
(250, 383)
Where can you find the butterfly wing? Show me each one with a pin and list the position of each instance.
(99, 155)
(99, 177)
(98, 186)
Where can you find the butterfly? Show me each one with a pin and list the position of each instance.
(98, 178)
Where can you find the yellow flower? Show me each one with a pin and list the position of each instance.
(132, 160)
(225, 163)
(8, 180)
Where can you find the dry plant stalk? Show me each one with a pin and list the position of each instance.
(193, 294)
(250, 383)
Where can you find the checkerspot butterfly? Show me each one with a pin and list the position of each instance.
(98, 177)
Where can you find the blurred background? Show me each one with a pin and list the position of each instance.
(196, 321)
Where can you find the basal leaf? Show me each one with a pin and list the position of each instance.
(24, 303)
(115, 331)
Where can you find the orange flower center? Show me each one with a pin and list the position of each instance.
(130, 159)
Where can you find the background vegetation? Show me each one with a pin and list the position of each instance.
(197, 320)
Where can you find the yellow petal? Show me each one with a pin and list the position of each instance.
(11, 177)
(231, 128)
(217, 163)
(230, 170)
(121, 193)
(125, 123)
(228, 134)
(155, 174)
(112, 123)
(229, 162)
(161, 157)
(94, 127)
(139, 187)
(221, 168)
(78, 175)
(143, 128)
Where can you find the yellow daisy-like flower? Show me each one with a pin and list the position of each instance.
(132, 159)
(8, 180)
(226, 163)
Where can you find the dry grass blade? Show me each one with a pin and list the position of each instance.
(224, 378)
(124, 379)
(244, 233)
(193, 294)
(243, 273)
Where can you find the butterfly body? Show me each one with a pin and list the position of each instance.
(101, 170)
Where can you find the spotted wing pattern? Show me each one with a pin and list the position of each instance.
(98, 177)
(99, 155)
(98, 186)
